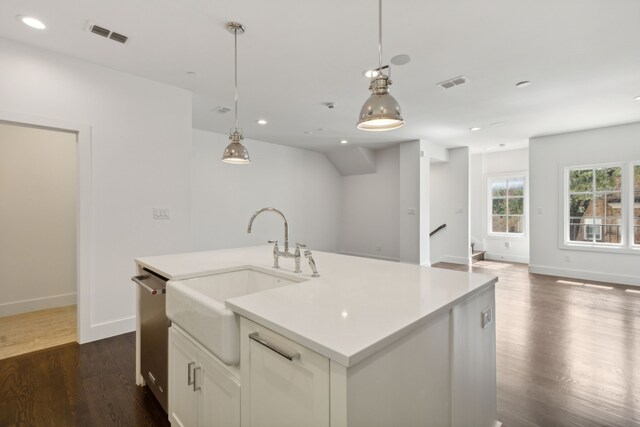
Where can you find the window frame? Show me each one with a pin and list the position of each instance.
(626, 244)
(631, 206)
(488, 200)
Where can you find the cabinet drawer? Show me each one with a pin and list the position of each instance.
(283, 382)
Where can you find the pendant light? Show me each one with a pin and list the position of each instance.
(235, 152)
(381, 111)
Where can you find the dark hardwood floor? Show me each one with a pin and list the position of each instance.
(568, 355)
(77, 385)
(568, 352)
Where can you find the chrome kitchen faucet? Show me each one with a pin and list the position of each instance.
(277, 253)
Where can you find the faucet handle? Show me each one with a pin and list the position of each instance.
(301, 245)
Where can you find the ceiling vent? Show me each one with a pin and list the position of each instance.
(456, 81)
(107, 33)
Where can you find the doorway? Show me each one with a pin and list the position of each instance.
(38, 249)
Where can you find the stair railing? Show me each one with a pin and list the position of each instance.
(437, 229)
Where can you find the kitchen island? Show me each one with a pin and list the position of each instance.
(371, 342)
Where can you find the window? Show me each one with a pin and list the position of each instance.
(602, 207)
(636, 204)
(595, 205)
(507, 205)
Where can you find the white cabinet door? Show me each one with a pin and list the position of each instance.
(219, 404)
(276, 391)
(183, 405)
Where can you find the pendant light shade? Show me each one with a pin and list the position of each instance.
(236, 153)
(381, 111)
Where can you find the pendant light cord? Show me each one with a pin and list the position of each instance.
(380, 35)
(235, 47)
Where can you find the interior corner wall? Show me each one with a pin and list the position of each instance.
(302, 184)
(38, 182)
(370, 219)
(449, 204)
(140, 138)
(547, 158)
(425, 202)
(482, 167)
(409, 202)
(476, 200)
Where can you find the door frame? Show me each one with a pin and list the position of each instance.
(84, 193)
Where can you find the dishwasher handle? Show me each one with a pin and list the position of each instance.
(139, 281)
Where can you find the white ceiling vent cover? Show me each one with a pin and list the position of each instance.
(107, 33)
(456, 81)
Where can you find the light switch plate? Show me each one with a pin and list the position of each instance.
(161, 213)
(486, 317)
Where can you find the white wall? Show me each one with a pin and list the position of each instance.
(449, 204)
(370, 220)
(409, 195)
(140, 142)
(547, 158)
(37, 220)
(476, 200)
(302, 184)
(482, 167)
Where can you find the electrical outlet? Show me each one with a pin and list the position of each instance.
(507, 244)
(486, 317)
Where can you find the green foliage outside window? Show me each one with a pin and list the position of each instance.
(507, 205)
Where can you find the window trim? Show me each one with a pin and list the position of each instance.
(488, 202)
(631, 206)
(625, 246)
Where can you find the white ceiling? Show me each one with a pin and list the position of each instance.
(582, 56)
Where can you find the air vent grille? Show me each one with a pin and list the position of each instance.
(456, 81)
(95, 29)
(107, 33)
(221, 110)
(118, 37)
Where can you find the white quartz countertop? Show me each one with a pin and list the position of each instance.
(355, 308)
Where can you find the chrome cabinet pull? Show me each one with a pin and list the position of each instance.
(196, 388)
(190, 379)
(139, 281)
(256, 337)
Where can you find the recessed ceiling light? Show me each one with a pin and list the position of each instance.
(400, 59)
(308, 132)
(637, 98)
(370, 73)
(524, 83)
(191, 73)
(32, 22)
(262, 122)
(343, 141)
(474, 129)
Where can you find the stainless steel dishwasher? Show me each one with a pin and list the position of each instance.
(154, 334)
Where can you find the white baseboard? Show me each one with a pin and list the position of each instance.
(495, 256)
(98, 331)
(455, 260)
(384, 258)
(35, 304)
(585, 275)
